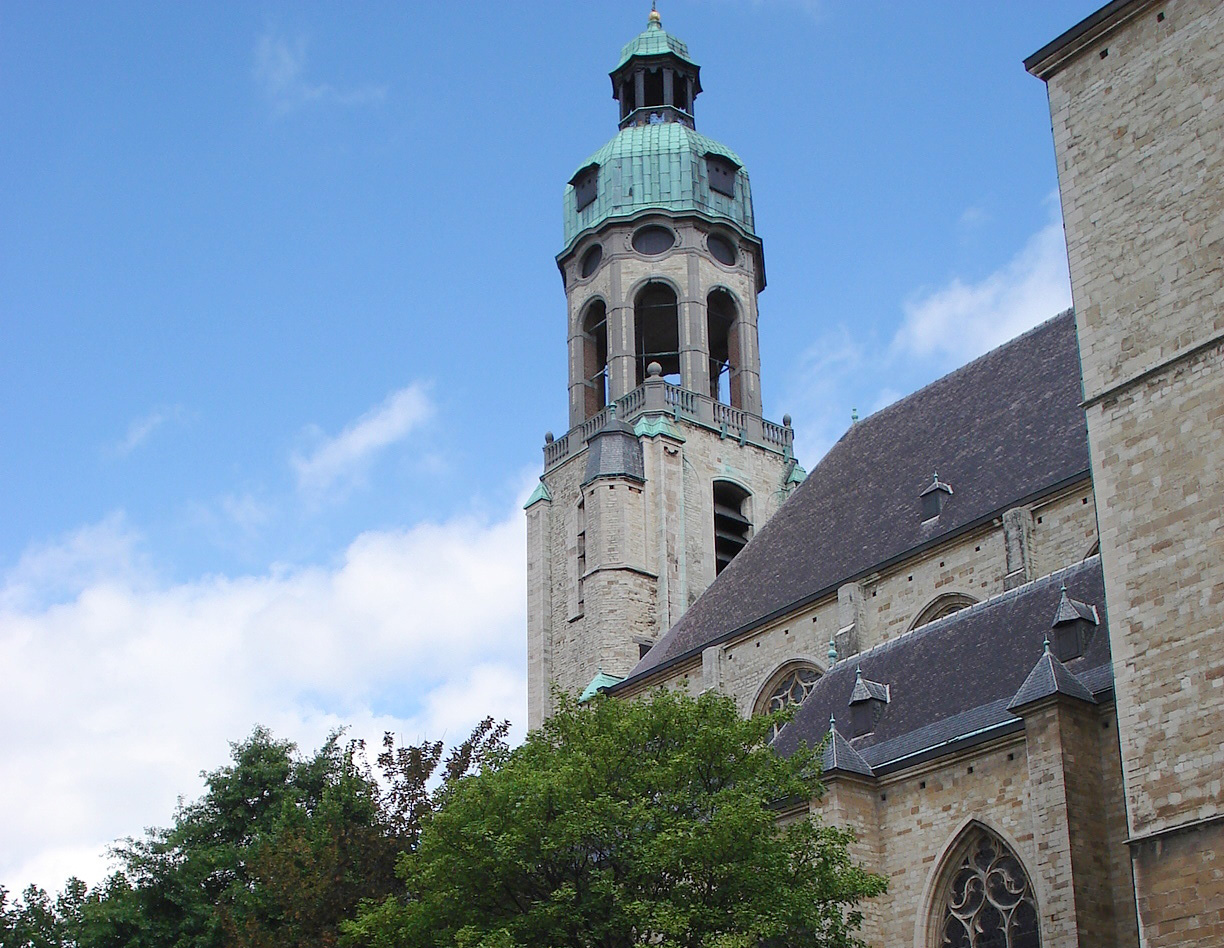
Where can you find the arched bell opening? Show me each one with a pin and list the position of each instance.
(656, 317)
(722, 331)
(594, 358)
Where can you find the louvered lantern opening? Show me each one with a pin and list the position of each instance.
(732, 527)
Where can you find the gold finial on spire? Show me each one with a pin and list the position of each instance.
(654, 17)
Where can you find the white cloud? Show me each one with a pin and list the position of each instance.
(344, 457)
(120, 688)
(139, 430)
(960, 320)
(279, 70)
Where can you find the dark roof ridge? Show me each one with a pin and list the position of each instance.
(957, 372)
(961, 614)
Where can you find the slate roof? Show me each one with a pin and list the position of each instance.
(614, 451)
(951, 681)
(1004, 429)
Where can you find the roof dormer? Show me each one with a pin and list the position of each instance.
(867, 702)
(935, 498)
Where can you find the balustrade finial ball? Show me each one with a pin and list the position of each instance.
(548, 437)
(654, 370)
(786, 421)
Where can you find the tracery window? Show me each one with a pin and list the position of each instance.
(988, 901)
(792, 688)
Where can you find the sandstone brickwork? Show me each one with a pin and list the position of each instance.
(649, 552)
(1137, 102)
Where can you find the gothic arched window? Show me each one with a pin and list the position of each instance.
(790, 687)
(987, 900)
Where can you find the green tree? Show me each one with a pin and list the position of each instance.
(277, 852)
(623, 823)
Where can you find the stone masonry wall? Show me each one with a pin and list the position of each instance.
(1138, 120)
(1037, 790)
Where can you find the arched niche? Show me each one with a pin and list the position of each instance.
(594, 358)
(722, 333)
(656, 330)
(982, 896)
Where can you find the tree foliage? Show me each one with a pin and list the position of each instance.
(627, 823)
(278, 850)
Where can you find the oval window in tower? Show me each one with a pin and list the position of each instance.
(591, 260)
(721, 249)
(653, 240)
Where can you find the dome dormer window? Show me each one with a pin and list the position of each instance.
(721, 171)
(586, 186)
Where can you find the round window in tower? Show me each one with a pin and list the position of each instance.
(591, 260)
(721, 249)
(653, 240)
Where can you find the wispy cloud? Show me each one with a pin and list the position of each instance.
(816, 398)
(338, 461)
(961, 320)
(129, 684)
(280, 67)
(140, 429)
(939, 330)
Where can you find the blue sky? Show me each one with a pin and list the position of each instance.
(282, 333)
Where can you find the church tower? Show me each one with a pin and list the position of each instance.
(667, 467)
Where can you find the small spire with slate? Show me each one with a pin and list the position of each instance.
(832, 653)
(839, 756)
(1049, 678)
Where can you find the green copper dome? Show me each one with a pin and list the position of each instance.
(662, 166)
(654, 41)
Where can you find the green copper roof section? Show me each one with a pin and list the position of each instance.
(651, 426)
(797, 475)
(598, 682)
(658, 167)
(540, 493)
(654, 41)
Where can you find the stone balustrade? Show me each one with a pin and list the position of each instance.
(658, 397)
